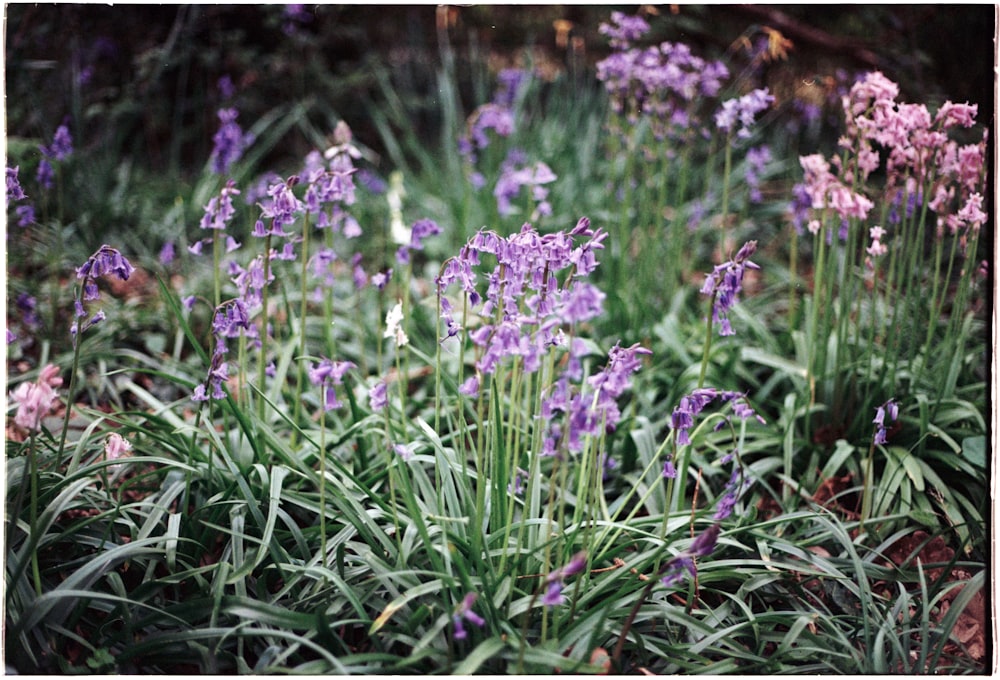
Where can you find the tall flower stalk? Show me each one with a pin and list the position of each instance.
(106, 261)
(874, 233)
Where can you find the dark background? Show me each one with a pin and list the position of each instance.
(138, 77)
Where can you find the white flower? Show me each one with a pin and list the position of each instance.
(393, 325)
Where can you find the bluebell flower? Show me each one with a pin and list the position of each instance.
(724, 284)
(890, 409)
(25, 215)
(464, 611)
(683, 563)
(378, 397)
(742, 110)
(229, 142)
(555, 580)
(14, 190)
(61, 147)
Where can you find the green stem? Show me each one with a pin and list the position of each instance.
(33, 509)
(262, 368)
(708, 342)
(72, 384)
(303, 310)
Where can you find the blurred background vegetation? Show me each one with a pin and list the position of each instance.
(142, 80)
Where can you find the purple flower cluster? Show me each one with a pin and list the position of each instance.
(682, 564)
(524, 297)
(623, 30)
(743, 110)
(757, 159)
(516, 173)
(464, 611)
(419, 232)
(555, 580)
(682, 418)
(229, 142)
(25, 213)
(724, 284)
(328, 374)
(497, 115)
(663, 83)
(14, 190)
(105, 261)
(890, 409)
(229, 321)
(281, 207)
(60, 149)
(593, 410)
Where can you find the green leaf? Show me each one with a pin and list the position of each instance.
(483, 652)
(974, 450)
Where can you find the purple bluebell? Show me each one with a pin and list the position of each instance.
(230, 320)
(25, 215)
(328, 374)
(510, 81)
(889, 409)
(378, 397)
(623, 29)
(167, 253)
(27, 305)
(226, 87)
(682, 564)
(464, 611)
(742, 110)
(756, 162)
(724, 284)
(14, 190)
(555, 580)
(45, 175)
(682, 418)
(229, 142)
(220, 210)
(281, 207)
(61, 147)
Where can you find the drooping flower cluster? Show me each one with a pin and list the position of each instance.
(60, 149)
(690, 405)
(525, 305)
(556, 579)
(724, 284)
(230, 319)
(922, 163)
(464, 611)
(757, 160)
(420, 231)
(35, 399)
(743, 110)
(328, 374)
(115, 448)
(25, 213)
(497, 115)
(890, 409)
(14, 190)
(229, 142)
(515, 173)
(593, 410)
(105, 261)
(683, 564)
(663, 84)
